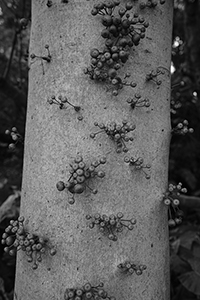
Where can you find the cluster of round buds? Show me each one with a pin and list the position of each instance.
(80, 172)
(46, 58)
(138, 164)
(182, 128)
(118, 133)
(87, 292)
(16, 238)
(174, 105)
(151, 3)
(129, 267)
(61, 101)
(16, 137)
(170, 198)
(110, 225)
(153, 75)
(137, 101)
(122, 31)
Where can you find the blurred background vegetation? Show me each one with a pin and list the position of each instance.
(184, 162)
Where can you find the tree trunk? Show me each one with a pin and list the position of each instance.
(55, 136)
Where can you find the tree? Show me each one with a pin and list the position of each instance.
(55, 136)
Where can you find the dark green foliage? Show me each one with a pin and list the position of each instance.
(14, 28)
(184, 164)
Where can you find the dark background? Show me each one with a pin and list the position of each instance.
(184, 163)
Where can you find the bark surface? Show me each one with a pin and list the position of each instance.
(53, 138)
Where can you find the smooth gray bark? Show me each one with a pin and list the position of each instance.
(54, 137)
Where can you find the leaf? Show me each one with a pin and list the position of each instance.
(185, 254)
(2, 289)
(7, 271)
(196, 249)
(182, 293)
(195, 264)
(175, 246)
(190, 281)
(189, 177)
(3, 182)
(190, 258)
(197, 238)
(10, 207)
(187, 238)
(177, 265)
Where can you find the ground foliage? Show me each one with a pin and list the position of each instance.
(184, 163)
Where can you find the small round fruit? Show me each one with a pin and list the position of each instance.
(21, 219)
(9, 240)
(109, 43)
(87, 287)
(94, 52)
(112, 73)
(107, 55)
(94, 12)
(111, 236)
(105, 34)
(126, 23)
(80, 179)
(75, 166)
(88, 295)
(12, 252)
(102, 160)
(78, 159)
(107, 20)
(101, 174)
(79, 172)
(120, 215)
(53, 251)
(129, 5)
(133, 221)
(167, 201)
(60, 185)
(138, 272)
(79, 292)
(178, 221)
(123, 42)
(114, 49)
(121, 12)
(78, 188)
(71, 200)
(171, 223)
(91, 169)
(176, 202)
(71, 293)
